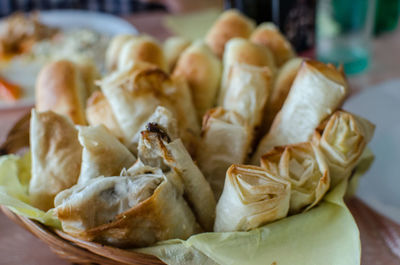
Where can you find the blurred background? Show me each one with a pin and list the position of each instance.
(337, 31)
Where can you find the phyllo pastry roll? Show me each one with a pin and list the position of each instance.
(229, 25)
(268, 35)
(156, 149)
(252, 197)
(144, 49)
(304, 166)
(135, 92)
(342, 140)
(280, 90)
(161, 118)
(98, 111)
(202, 71)
(225, 140)
(56, 157)
(240, 50)
(61, 86)
(126, 211)
(317, 91)
(114, 49)
(247, 92)
(131, 104)
(102, 154)
(173, 48)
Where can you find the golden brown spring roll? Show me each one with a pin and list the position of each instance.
(142, 48)
(98, 111)
(317, 91)
(247, 92)
(283, 82)
(156, 149)
(252, 197)
(202, 71)
(60, 87)
(226, 139)
(89, 73)
(239, 50)
(135, 92)
(56, 157)
(229, 25)
(173, 47)
(304, 166)
(126, 211)
(342, 140)
(114, 49)
(268, 35)
(102, 154)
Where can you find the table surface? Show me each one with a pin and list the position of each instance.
(380, 236)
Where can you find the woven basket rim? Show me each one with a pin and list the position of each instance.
(68, 246)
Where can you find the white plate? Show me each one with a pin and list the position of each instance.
(380, 187)
(102, 23)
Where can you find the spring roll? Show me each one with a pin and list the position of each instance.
(144, 49)
(304, 166)
(185, 112)
(342, 140)
(114, 49)
(230, 24)
(317, 91)
(156, 149)
(247, 92)
(135, 92)
(280, 90)
(56, 157)
(98, 111)
(268, 35)
(102, 154)
(225, 140)
(61, 87)
(126, 211)
(202, 71)
(173, 48)
(252, 197)
(240, 50)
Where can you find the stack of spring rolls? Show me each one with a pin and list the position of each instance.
(222, 134)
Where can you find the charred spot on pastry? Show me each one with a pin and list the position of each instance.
(155, 128)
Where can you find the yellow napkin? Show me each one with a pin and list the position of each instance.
(193, 25)
(14, 183)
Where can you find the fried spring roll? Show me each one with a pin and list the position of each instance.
(240, 50)
(268, 35)
(229, 25)
(202, 71)
(252, 197)
(102, 154)
(56, 157)
(226, 139)
(156, 149)
(126, 211)
(317, 91)
(304, 166)
(342, 140)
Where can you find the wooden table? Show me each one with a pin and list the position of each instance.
(380, 236)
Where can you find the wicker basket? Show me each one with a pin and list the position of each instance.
(64, 245)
